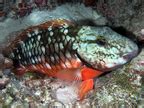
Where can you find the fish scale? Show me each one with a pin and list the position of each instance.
(49, 50)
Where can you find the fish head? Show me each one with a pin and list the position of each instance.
(104, 49)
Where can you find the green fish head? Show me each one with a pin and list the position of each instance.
(104, 49)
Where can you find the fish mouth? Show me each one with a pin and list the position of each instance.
(130, 55)
(121, 61)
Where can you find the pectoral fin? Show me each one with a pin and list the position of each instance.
(85, 87)
(88, 73)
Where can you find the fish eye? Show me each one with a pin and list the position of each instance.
(101, 41)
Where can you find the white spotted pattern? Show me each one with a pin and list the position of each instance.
(50, 28)
(39, 37)
(36, 31)
(43, 49)
(65, 31)
(33, 61)
(29, 35)
(51, 33)
(48, 66)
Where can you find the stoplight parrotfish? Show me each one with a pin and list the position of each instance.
(62, 49)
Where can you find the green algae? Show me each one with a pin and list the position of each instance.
(123, 81)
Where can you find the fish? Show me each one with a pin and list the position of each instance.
(62, 49)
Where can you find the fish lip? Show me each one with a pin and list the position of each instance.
(123, 60)
(130, 55)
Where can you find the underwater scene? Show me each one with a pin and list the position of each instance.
(71, 53)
